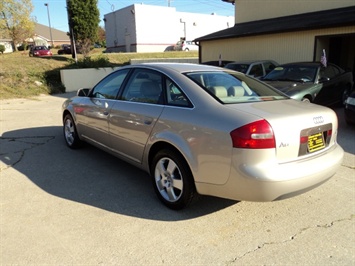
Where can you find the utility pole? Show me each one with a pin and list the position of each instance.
(49, 22)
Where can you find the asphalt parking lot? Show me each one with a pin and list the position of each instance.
(65, 207)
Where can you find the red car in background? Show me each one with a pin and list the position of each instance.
(40, 51)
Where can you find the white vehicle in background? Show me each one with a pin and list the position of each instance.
(186, 46)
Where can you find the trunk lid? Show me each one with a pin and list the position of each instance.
(300, 129)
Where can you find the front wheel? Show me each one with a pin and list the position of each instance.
(70, 134)
(306, 99)
(345, 95)
(172, 180)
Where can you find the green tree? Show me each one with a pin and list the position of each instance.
(84, 19)
(2, 48)
(101, 36)
(15, 20)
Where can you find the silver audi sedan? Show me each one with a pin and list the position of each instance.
(200, 129)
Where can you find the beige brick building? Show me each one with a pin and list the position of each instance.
(286, 31)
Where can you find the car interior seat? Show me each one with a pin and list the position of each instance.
(219, 91)
(236, 91)
(150, 91)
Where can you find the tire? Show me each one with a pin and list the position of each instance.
(172, 180)
(306, 99)
(345, 95)
(70, 133)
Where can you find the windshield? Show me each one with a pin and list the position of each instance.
(296, 73)
(235, 88)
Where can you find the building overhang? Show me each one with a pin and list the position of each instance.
(229, 1)
(307, 21)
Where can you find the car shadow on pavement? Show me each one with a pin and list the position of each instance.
(90, 176)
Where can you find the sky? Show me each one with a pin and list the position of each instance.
(59, 19)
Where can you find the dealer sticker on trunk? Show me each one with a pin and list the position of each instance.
(316, 142)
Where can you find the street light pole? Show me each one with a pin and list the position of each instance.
(49, 22)
(181, 21)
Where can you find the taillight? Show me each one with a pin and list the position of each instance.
(256, 135)
(329, 132)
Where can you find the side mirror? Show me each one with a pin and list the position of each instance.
(323, 79)
(83, 92)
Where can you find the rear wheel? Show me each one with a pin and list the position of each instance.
(70, 133)
(172, 179)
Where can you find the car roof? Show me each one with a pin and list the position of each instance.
(302, 64)
(251, 61)
(179, 67)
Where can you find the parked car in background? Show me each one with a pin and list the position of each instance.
(186, 46)
(349, 108)
(207, 130)
(24, 47)
(65, 49)
(40, 51)
(312, 82)
(220, 63)
(257, 69)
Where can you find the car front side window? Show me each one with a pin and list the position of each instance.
(109, 87)
(256, 70)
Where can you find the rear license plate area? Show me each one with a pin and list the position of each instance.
(314, 139)
(316, 142)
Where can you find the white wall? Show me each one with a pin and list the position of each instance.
(147, 28)
(8, 47)
(74, 79)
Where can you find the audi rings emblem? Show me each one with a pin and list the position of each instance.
(318, 119)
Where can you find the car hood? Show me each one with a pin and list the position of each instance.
(289, 86)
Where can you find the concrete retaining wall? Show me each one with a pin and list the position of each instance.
(74, 79)
(192, 60)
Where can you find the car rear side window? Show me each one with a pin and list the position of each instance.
(175, 96)
(144, 86)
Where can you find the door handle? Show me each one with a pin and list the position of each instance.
(147, 121)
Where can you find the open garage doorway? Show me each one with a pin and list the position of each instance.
(340, 50)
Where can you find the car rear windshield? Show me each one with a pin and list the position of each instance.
(231, 88)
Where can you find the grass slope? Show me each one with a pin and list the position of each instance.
(22, 76)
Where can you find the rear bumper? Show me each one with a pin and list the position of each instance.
(269, 182)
